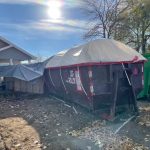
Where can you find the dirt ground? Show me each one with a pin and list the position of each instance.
(39, 122)
(139, 128)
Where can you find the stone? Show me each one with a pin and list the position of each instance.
(36, 142)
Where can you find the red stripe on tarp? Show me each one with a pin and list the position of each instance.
(95, 63)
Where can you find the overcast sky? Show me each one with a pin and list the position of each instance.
(42, 27)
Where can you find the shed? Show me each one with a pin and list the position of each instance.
(23, 78)
(103, 74)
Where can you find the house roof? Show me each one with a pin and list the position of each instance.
(93, 52)
(8, 48)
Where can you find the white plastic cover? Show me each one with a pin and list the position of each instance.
(97, 51)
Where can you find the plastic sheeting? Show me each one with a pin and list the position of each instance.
(23, 72)
(97, 51)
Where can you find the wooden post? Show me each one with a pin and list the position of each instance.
(116, 81)
(11, 61)
(134, 99)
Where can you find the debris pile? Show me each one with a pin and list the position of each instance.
(144, 118)
(144, 106)
(2, 144)
(38, 123)
(16, 134)
(105, 138)
(45, 123)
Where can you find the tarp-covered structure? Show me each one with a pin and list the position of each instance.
(23, 77)
(101, 74)
(22, 72)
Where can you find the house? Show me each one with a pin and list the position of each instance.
(12, 54)
(11, 68)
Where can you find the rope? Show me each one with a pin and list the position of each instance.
(81, 83)
(124, 124)
(62, 81)
(51, 78)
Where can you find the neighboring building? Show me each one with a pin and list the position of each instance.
(12, 54)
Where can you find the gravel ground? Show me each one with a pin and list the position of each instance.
(38, 122)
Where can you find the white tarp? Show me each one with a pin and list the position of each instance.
(97, 51)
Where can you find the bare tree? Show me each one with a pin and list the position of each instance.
(134, 29)
(104, 15)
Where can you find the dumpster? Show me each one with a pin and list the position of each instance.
(101, 75)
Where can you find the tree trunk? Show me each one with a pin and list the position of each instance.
(104, 32)
(143, 42)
